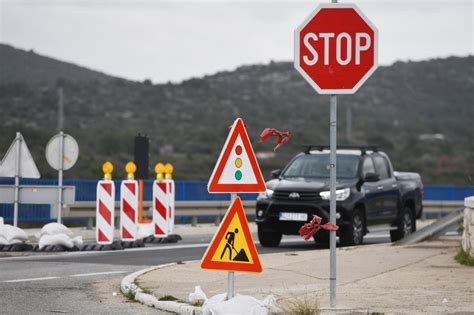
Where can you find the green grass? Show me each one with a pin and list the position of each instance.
(168, 298)
(302, 306)
(199, 303)
(130, 295)
(376, 313)
(464, 259)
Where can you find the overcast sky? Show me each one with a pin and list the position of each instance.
(176, 40)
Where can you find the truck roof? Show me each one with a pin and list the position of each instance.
(346, 149)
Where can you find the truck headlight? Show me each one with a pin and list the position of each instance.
(341, 194)
(265, 195)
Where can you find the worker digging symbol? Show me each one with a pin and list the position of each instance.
(230, 241)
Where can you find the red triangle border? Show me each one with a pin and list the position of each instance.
(213, 186)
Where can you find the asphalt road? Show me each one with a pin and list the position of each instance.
(88, 282)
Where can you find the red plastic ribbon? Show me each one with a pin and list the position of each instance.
(283, 136)
(308, 230)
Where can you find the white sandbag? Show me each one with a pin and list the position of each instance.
(144, 230)
(3, 241)
(240, 305)
(56, 239)
(209, 303)
(197, 296)
(13, 234)
(54, 228)
(77, 241)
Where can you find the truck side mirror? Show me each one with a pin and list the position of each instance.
(276, 173)
(371, 177)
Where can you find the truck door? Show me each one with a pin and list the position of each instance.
(388, 189)
(373, 196)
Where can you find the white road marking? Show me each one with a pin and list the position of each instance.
(97, 273)
(287, 239)
(139, 249)
(291, 239)
(30, 279)
(65, 276)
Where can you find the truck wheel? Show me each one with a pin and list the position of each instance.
(353, 233)
(269, 238)
(322, 237)
(405, 226)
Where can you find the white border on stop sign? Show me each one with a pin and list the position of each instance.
(297, 48)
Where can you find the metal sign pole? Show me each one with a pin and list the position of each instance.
(230, 274)
(332, 203)
(17, 179)
(60, 175)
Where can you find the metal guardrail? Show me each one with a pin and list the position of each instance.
(84, 209)
(435, 209)
(437, 228)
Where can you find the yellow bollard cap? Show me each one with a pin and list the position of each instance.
(168, 170)
(130, 169)
(107, 168)
(159, 168)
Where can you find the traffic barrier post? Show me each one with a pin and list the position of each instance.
(105, 207)
(129, 205)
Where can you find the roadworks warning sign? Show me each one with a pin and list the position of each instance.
(232, 248)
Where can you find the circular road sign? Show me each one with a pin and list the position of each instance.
(336, 49)
(71, 152)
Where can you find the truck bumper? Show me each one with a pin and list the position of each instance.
(268, 214)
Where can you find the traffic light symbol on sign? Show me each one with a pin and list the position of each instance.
(238, 163)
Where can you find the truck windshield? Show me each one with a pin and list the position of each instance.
(317, 166)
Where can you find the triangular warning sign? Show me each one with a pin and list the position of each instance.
(232, 248)
(27, 166)
(236, 169)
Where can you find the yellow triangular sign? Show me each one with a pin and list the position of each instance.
(232, 248)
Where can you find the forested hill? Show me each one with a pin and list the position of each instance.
(419, 112)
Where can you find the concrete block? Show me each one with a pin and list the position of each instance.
(468, 224)
(469, 202)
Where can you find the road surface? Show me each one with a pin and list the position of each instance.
(88, 282)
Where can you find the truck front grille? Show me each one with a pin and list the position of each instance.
(303, 196)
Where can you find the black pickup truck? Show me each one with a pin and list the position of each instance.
(370, 196)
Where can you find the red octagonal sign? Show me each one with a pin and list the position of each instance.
(336, 49)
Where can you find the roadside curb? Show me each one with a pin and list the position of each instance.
(129, 287)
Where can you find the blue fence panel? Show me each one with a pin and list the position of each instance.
(185, 191)
(86, 189)
(448, 192)
(26, 213)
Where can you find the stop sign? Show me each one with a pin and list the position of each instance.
(336, 49)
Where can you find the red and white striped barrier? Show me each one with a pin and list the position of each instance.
(171, 195)
(160, 208)
(129, 210)
(105, 206)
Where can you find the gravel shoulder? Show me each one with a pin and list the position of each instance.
(422, 278)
